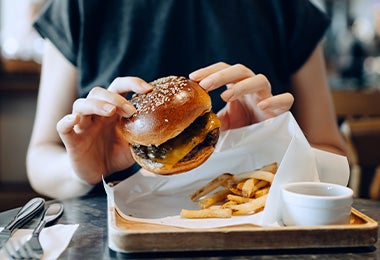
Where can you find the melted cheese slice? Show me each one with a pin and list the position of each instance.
(181, 145)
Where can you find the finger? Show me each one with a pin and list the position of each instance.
(108, 101)
(66, 125)
(73, 123)
(257, 84)
(228, 75)
(84, 123)
(224, 118)
(277, 104)
(230, 118)
(93, 107)
(129, 84)
(202, 73)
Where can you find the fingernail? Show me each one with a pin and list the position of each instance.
(227, 95)
(146, 86)
(71, 117)
(206, 83)
(128, 110)
(108, 108)
(194, 76)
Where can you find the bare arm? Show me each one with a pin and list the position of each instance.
(313, 105)
(77, 141)
(48, 167)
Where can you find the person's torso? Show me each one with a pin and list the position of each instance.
(152, 39)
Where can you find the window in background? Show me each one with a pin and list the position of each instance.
(352, 43)
(19, 41)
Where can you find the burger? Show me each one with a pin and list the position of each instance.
(174, 129)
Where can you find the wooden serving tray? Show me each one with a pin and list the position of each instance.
(127, 236)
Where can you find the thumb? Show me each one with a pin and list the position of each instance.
(67, 123)
(65, 127)
(224, 118)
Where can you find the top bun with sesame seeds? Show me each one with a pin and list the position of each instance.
(174, 129)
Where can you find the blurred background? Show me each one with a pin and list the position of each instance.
(352, 48)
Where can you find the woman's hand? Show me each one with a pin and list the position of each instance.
(91, 135)
(248, 95)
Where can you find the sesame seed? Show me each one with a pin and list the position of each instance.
(164, 89)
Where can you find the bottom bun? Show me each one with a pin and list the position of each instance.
(182, 166)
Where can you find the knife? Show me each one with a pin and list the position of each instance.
(26, 213)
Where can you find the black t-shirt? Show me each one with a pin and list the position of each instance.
(152, 38)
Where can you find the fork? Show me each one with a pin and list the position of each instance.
(31, 248)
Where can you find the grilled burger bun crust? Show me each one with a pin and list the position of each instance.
(174, 129)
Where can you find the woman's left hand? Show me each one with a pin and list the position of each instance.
(248, 95)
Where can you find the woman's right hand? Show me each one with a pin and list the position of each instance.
(91, 134)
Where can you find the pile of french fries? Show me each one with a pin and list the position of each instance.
(228, 195)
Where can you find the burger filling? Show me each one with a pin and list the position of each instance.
(204, 131)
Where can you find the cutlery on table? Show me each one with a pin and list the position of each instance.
(31, 248)
(26, 213)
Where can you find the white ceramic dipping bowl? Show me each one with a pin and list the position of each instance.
(315, 203)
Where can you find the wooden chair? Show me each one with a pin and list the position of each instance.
(375, 185)
(359, 112)
(354, 103)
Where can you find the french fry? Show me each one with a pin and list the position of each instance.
(249, 207)
(240, 185)
(261, 184)
(236, 191)
(240, 194)
(262, 192)
(248, 188)
(237, 199)
(210, 186)
(228, 204)
(207, 213)
(216, 197)
(256, 174)
(272, 167)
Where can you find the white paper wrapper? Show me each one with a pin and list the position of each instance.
(152, 198)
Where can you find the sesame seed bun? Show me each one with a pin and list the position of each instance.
(172, 105)
(170, 121)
